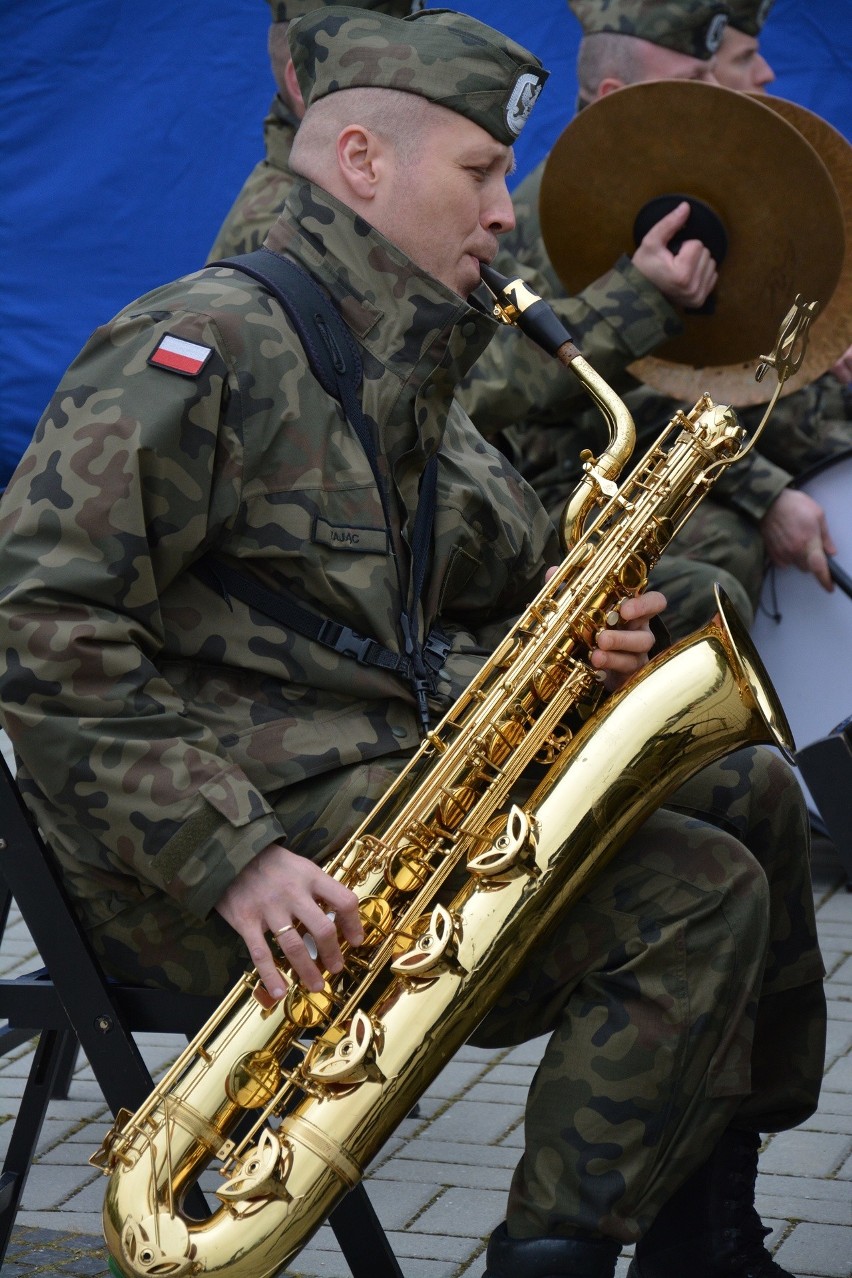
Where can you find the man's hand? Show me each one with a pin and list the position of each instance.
(842, 370)
(623, 650)
(686, 278)
(279, 889)
(795, 531)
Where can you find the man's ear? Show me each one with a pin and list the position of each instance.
(362, 160)
(292, 82)
(609, 84)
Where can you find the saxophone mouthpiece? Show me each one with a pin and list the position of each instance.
(516, 303)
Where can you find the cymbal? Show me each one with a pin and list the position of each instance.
(830, 333)
(766, 183)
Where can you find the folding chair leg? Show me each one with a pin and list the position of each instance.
(50, 1055)
(361, 1237)
(5, 905)
(66, 1066)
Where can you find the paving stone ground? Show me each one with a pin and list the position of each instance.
(439, 1186)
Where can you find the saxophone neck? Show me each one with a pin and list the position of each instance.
(515, 303)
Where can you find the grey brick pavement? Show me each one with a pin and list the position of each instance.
(439, 1186)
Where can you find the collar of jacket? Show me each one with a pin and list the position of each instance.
(279, 130)
(402, 317)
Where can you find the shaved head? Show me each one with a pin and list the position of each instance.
(606, 60)
(398, 118)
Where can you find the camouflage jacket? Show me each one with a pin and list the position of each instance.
(617, 319)
(537, 410)
(265, 190)
(156, 720)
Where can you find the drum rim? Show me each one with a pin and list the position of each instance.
(820, 466)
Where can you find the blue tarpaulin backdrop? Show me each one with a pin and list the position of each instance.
(126, 130)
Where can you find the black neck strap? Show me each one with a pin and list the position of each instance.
(336, 363)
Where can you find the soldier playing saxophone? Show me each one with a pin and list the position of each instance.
(193, 762)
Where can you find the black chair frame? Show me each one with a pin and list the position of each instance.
(70, 1002)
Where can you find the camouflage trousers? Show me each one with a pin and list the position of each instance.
(806, 428)
(720, 544)
(681, 993)
(717, 547)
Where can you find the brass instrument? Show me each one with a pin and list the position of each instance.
(458, 871)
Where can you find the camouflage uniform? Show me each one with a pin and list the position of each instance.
(749, 16)
(537, 411)
(205, 788)
(539, 414)
(168, 734)
(268, 185)
(266, 188)
(628, 990)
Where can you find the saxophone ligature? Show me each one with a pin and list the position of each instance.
(460, 868)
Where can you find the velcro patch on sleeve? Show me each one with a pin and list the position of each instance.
(180, 356)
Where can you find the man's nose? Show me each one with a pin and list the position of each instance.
(502, 213)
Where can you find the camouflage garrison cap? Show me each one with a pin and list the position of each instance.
(749, 16)
(693, 27)
(289, 10)
(447, 57)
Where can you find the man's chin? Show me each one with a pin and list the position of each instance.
(468, 277)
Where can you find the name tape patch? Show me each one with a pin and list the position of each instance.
(180, 356)
(366, 541)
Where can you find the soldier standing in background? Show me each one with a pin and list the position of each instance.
(267, 186)
(627, 314)
(814, 424)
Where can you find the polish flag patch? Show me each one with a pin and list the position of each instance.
(180, 356)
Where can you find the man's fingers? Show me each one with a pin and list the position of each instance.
(616, 661)
(637, 609)
(626, 640)
(267, 970)
(661, 232)
(816, 563)
(344, 903)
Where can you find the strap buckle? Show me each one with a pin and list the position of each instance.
(436, 649)
(345, 641)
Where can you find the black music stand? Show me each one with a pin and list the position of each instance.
(826, 766)
(71, 1001)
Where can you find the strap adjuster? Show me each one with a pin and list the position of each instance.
(345, 641)
(436, 649)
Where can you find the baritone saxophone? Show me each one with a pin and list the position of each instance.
(468, 859)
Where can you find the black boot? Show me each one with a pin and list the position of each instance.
(709, 1228)
(549, 1257)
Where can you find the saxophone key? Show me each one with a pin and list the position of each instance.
(261, 1174)
(346, 1059)
(155, 1245)
(513, 847)
(431, 947)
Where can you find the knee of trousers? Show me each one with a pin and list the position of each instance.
(688, 587)
(762, 802)
(679, 873)
(735, 939)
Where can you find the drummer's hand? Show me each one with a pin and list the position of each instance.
(279, 888)
(795, 532)
(842, 370)
(687, 277)
(623, 650)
